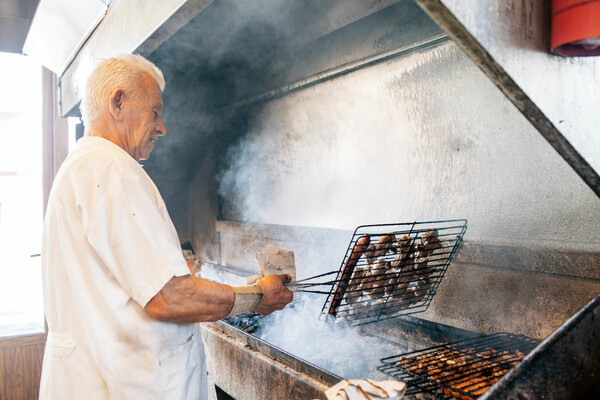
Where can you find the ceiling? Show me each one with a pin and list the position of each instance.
(15, 19)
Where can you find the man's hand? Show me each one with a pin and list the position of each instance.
(275, 295)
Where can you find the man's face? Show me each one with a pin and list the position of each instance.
(143, 122)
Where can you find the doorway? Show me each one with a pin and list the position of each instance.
(21, 198)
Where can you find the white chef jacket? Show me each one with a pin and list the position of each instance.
(109, 246)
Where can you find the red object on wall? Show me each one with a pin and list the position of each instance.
(575, 28)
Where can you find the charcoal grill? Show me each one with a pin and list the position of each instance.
(464, 369)
(565, 365)
(567, 357)
(390, 270)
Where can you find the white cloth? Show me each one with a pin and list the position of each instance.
(275, 261)
(366, 389)
(109, 246)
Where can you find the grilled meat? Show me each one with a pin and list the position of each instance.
(386, 243)
(404, 248)
(464, 374)
(429, 243)
(359, 248)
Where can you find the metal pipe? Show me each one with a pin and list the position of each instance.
(337, 71)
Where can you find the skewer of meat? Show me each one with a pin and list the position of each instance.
(404, 263)
(419, 261)
(429, 243)
(386, 243)
(354, 290)
(359, 248)
(405, 248)
(379, 277)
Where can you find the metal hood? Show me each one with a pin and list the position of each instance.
(508, 41)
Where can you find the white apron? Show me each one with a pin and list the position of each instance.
(109, 246)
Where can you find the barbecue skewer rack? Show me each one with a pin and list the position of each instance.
(388, 270)
(464, 369)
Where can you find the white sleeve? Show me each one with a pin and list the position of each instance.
(139, 247)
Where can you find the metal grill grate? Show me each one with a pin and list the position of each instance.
(415, 386)
(392, 269)
(464, 369)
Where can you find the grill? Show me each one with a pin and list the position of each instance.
(509, 365)
(465, 369)
(437, 361)
(390, 270)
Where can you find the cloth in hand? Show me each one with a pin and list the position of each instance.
(274, 261)
(366, 389)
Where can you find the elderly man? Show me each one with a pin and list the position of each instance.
(120, 302)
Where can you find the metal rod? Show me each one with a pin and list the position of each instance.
(311, 291)
(316, 284)
(317, 276)
(337, 71)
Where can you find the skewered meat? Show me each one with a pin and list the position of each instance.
(359, 248)
(380, 249)
(422, 268)
(429, 243)
(406, 279)
(354, 290)
(378, 277)
(422, 287)
(404, 248)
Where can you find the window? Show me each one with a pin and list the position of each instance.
(21, 306)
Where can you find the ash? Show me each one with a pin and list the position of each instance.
(246, 322)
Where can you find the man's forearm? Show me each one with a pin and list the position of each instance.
(190, 299)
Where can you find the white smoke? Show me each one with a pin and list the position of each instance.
(335, 347)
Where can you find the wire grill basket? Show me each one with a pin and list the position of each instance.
(391, 270)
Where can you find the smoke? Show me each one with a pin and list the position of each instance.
(231, 50)
(315, 168)
(300, 330)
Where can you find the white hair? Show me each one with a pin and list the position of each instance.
(121, 72)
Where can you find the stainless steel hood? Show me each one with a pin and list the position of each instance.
(508, 41)
(15, 19)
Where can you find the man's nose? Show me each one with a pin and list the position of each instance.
(161, 128)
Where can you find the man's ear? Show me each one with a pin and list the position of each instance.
(115, 104)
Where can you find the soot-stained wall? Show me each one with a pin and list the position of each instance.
(422, 137)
